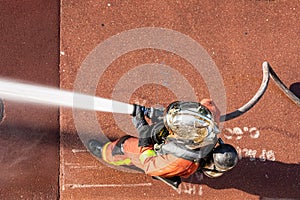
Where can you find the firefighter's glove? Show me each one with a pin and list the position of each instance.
(141, 125)
(138, 116)
(144, 136)
(156, 114)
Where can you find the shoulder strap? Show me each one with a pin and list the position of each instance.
(179, 150)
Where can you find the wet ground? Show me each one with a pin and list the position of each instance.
(127, 50)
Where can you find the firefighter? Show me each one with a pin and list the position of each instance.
(184, 142)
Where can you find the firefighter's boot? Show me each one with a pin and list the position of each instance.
(95, 147)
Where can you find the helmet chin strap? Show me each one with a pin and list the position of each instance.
(199, 145)
(220, 141)
(190, 144)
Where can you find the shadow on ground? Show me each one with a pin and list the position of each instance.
(295, 88)
(270, 179)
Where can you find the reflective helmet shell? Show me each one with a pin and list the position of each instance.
(212, 173)
(225, 157)
(191, 121)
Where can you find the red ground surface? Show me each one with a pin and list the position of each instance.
(29, 134)
(238, 35)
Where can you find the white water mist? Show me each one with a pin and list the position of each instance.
(22, 92)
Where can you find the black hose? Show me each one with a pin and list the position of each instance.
(267, 72)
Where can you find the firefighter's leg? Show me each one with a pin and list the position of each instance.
(174, 182)
(124, 151)
(113, 153)
(95, 147)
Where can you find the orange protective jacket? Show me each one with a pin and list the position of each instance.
(145, 158)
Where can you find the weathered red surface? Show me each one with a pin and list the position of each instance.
(238, 35)
(29, 134)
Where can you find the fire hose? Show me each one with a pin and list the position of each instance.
(267, 73)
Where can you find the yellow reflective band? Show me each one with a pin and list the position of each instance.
(147, 154)
(104, 151)
(127, 161)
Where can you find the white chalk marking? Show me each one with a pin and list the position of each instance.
(270, 155)
(191, 189)
(85, 167)
(74, 186)
(262, 157)
(62, 167)
(79, 166)
(200, 192)
(237, 133)
(256, 135)
(251, 154)
(79, 150)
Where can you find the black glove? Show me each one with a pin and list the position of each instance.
(153, 134)
(155, 114)
(138, 116)
(144, 136)
(141, 125)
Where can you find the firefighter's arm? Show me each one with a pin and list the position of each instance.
(208, 103)
(142, 126)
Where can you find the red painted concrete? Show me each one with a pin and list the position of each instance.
(29, 134)
(239, 36)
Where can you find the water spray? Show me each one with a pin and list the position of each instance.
(22, 92)
(52, 96)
